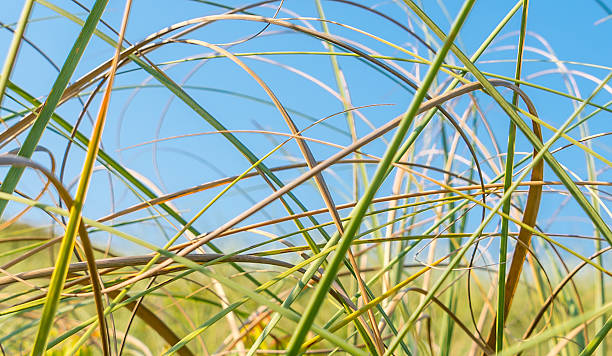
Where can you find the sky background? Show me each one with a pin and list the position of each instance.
(577, 31)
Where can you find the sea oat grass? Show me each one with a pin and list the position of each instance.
(304, 177)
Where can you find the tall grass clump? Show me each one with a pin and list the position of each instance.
(303, 177)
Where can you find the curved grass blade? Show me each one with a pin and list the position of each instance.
(503, 243)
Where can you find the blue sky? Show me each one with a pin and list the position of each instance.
(569, 27)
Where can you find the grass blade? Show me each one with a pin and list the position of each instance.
(11, 55)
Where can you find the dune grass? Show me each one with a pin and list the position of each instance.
(371, 187)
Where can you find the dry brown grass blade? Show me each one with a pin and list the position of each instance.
(132, 261)
(46, 184)
(77, 124)
(112, 264)
(30, 253)
(529, 218)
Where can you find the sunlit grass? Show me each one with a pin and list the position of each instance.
(424, 222)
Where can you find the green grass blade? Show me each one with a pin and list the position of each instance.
(11, 55)
(27, 149)
(59, 276)
(503, 242)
